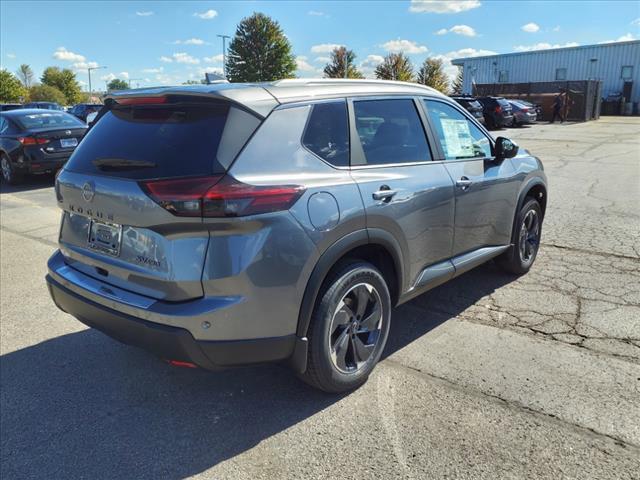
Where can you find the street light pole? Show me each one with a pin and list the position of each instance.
(224, 53)
(89, 71)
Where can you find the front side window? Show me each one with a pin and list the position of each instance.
(561, 74)
(459, 138)
(627, 72)
(327, 133)
(390, 131)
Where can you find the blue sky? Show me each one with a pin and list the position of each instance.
(160, 43)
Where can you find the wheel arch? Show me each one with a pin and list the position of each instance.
(373, 245)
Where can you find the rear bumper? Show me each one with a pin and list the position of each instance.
(169, 342)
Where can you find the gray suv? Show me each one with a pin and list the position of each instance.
(223, 225)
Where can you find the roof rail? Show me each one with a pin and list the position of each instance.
(343, 81)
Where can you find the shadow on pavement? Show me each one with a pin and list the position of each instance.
(31, 182)
(83, 405)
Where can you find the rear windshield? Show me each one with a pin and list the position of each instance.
(503, 102)
(47, 119)
(153, 141)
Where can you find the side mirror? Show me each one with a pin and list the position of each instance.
(505, 148)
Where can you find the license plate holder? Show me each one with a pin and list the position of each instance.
(68, 142)
(105, 237)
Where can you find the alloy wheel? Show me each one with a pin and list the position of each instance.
(529, 239)
(355, 328)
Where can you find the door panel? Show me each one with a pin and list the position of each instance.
(420, 214)
(485, 206)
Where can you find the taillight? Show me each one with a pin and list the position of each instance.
(32, 140)
(220, 196)
(141, 100)
(498, 109)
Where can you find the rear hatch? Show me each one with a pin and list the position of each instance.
(117, 225)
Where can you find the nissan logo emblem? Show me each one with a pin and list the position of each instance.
(88, 192)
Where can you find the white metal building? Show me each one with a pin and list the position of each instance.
(613, 63)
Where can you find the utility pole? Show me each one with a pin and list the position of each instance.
(89, 71)
(224, 53)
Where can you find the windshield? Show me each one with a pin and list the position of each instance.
(47, 119)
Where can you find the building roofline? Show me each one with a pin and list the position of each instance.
(460, 61)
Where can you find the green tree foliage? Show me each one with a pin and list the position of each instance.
(456, 88)
(259, 51)
(395, 66)
(65, 81)
(431, 74)
(117, 84)
(10, 87)
(46, 93)
(25, 75)
(336, 67)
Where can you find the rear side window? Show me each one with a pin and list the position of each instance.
(390, 131)
(153, 141)
(327, 133)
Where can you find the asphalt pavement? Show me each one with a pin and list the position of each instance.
(489, 376)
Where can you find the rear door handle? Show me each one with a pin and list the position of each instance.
(383, 194)
(464, 183)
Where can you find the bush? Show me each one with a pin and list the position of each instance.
(46, 93)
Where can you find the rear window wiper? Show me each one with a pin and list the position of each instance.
(122, 164)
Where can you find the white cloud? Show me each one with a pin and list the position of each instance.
(191, 41)
(442, 6)
(215, 59)
(624, 38)
(316, 13)
(322, 59)
(108, 77)
(325, 47)
(636, 22)
(530, 27)
(185, 58)
(84, 65)
(63, 54)
(147, 13)
(152, 70)
(369, 64)
(124, 75)
(406, 46)
(11, 55)
(464, 30)
(452, 70)
(208, 15)
(303, 65)
(543, 46)
(166, 59)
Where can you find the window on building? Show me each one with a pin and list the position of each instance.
(503, 76)
(561, 73)
(627, 72)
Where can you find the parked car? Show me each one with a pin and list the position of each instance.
(83, 109)
(33, 141)
(522, 115)
(44, 106)
(534, 106)
(5, 107)
(91, 117)
(473, 106)
(497, 112)
(237, 224)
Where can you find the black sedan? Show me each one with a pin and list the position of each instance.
(36, 141)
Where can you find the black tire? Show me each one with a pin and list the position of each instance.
(342, 286)
(8, 172)
(517, 259)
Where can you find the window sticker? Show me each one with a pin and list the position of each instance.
(458, 142)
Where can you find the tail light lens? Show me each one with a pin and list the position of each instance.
(498, 109)
(142, 100)
(220, 196)
(32, 140)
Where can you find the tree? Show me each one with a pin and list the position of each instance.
(65, 81)
(336, 67)
(457, 86)
(25, 74)
(46, 93)
(259, 51)
(117, 84)
(432, 75)
(395, 66)
(10, 87)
